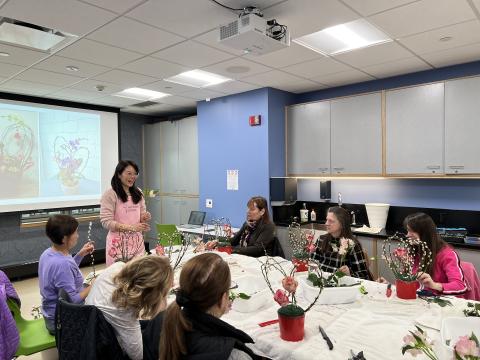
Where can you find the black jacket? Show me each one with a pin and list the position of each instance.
(262, 238)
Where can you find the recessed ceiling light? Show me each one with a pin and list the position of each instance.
(446, 38)
(72, 68)
(4, 54)
(141, 94)
(197, 78)
(344, 37)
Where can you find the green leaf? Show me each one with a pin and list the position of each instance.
(474, 338)
(244, 296)
(339, 274)
(406, 348)
(419, 329)
(363, 290)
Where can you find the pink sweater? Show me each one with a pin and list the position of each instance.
(107, 210)
(447, 271)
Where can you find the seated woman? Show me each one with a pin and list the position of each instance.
(257, 234)
(125, 292)
(353, 263)
(57, 269)
(444, 275)
(192, 328)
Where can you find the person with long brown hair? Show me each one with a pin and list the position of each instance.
(126, 292)
(444, 275)
(191, 327)
(257, 233)
(353, 263)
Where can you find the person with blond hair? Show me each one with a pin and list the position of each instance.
(127, 292)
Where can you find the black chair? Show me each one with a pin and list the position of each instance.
(83, 333)
(277, 248)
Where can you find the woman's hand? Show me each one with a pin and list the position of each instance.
(141, 227)
(145, 217)
(86, 249)
(382, 280)
(211, 244)
(427, 281)
(344, 269)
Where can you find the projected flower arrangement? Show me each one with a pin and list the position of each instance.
(72, 158)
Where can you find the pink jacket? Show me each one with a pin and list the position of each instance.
(447, 271)
(107, 209)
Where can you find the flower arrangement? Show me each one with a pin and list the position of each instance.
(16, 147)
(473, 309)
(418, 342)
(301, 241)
(71, 158)
(408, 259)
(222, 231)
(125, 246)
(174, 246)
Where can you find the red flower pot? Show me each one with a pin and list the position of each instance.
(292, 328)
(300, 265)
(406, 289)
(226, 249)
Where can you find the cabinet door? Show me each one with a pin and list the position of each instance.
(357, 135)
(169, 157)
(188, 156)
(170, 210)
(415, 130)
(369, 246)
(308, 138)
(462, 126)
(187, 205)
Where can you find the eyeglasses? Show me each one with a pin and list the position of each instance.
(233, 285)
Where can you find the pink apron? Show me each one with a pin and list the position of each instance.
(124, 246)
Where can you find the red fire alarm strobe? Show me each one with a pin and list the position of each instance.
(254, 120)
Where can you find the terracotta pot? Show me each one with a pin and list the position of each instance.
(225, 249)
(300, 265)
(406, 289)
(292, 328)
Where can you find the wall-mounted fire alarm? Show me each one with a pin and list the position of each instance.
(254, 120)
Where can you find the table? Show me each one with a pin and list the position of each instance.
(206, 229)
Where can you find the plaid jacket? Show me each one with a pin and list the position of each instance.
(330, 261)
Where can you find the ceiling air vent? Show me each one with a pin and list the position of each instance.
(145, 104)
(31, 36)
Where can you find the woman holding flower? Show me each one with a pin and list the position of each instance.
(122, 209)
(339, 250)
(444, 275)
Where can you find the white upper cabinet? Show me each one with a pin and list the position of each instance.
(415, 130)
(356, 135)
(462, 126)
(308, 139)
(169, 157)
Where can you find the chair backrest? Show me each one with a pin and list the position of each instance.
(472, 280)
(277, 248)
(166, 231)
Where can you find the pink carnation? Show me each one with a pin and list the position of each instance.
(466, 347)
(115, 241)
(281, 297)
(160, 250)
(112, 252)
(290, 284)
(400, 253)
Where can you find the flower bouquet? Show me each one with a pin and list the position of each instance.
(407, 258)
(303, 245)
(222, 234)
(125, 246)
(291, 316)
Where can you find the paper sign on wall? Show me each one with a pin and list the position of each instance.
(232, 180)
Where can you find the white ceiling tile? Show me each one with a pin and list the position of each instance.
(7, 70)
(179, 101)
(135, 36)
(47, 77)
(211, 39)
(90, 85)
(233, 87)
(159, 110)
(154, 67)
(192, 54)
(462, 34)
(65, 15)
(118, 6)
(369, 7)
(302, 87)
(477, 4)
(116, 101)
(294, 54)
(376, 54)
(20, 56)
(422, 16)
(58, 64)
(124, 78)
(167, 87)
(343, 78)
(96, 53)
(184, 17)
(237, 68)
(397, 67)
(317, 67)
(240, 4)
(307, 16)
(202, 94)
(274, 78)
(27, 87)
(454, 56)
(74, 94)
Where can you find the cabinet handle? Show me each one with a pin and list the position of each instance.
(457, 167)
(433, 167)
(338, 168)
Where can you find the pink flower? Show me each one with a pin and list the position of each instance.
(311, 248)
(290, 284)
(409, 340)
(112, 252)
(281, 297)
(414, 352)
(400, 252)
(115, 242)
(160, 250)
(466, 347)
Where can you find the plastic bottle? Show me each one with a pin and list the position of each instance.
(313, 215)
(304, 214)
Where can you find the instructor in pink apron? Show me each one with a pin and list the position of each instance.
(123, 214)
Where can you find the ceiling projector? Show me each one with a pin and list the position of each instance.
(254, 35)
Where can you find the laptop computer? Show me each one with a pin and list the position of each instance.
(195, 220)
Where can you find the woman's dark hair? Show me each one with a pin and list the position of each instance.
(59, 226)
(203, 282)
(343, 218)
(423, 225)
(117, 183)
(261, 203)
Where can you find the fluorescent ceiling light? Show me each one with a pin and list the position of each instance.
(344, 37)
(197, 78)
(141, 94)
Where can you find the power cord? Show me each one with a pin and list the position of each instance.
(244, 11)
(225, 6)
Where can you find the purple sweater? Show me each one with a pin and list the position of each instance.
(57, 271)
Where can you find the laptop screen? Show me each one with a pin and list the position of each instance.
(196, 217)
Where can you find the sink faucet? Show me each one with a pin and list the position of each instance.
(339, 199)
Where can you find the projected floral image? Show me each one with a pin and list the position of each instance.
(18, 154)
